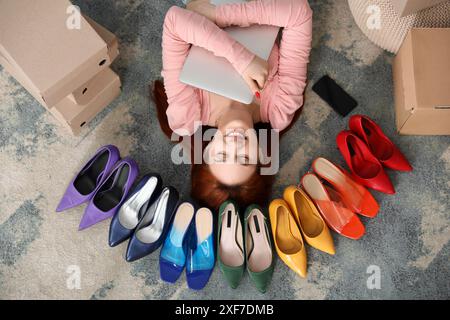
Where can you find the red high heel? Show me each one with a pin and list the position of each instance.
(379, 144)
(331, 206)
(354, 195)
(365, 167)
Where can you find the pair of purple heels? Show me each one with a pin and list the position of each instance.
(104, 181)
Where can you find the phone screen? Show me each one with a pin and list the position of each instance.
(334, 95)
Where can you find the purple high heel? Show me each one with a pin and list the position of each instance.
(110, 195)
(82, 188)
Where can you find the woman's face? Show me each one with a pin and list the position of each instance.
(233, 152)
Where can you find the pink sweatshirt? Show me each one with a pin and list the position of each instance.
(283, 92)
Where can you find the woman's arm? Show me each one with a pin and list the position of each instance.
(181, 29)
(295, 16)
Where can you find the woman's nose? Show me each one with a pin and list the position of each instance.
(235, 140)
(235, 146)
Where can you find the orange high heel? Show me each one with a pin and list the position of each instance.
(287, 237)
(313, 227)
(354, 195)
(329, 202)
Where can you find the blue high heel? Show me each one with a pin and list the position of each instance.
(132, 210)
(172, 258)
(201, 259)
(152, 229)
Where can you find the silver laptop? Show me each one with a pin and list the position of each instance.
(204, 70)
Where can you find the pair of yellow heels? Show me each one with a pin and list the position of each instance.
(293, 219)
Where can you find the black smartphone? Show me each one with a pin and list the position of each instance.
(334, 95)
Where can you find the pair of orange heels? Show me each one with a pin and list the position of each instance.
(296, 220)
(301, 212)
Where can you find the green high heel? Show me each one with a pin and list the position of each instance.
(230, 244)
(260, 257)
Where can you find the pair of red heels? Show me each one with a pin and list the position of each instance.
(366, 149)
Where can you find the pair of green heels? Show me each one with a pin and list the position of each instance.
(251, 246)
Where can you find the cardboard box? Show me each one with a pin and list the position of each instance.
(421, 73)
(105, 87)
(110, 38)
(82, 94)
(21, 79)
(79, 95)
(407, 7)
(74, 116)
(55, 60)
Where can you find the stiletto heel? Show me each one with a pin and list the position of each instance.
(129, 214)
(111, 193)
(260, 259)
(152, 229)
(379, 144)
(287, 237)
(310, 222)
(366, 169)
(82, 188)
(230, 251)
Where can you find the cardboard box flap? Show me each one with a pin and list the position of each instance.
(34, 37)
(431, 63)
(427, 122)
(405, 74)
(402, 112)
(421, 73)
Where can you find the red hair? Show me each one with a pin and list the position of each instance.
(205, 188)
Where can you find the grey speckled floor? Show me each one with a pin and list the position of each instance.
(41, 250)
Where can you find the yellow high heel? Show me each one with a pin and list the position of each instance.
(311, 224)
(287, 237)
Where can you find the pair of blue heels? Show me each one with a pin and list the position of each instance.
(144, 217)
(189, 244)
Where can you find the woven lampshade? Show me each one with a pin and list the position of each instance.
(393, 29)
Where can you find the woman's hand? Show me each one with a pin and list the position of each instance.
(256, 75)
(204, 8)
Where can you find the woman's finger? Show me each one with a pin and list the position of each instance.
(252, 84)
(261, 81)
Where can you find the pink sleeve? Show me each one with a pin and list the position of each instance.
(181, 29)
(281, 102)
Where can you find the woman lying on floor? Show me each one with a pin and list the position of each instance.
(278, 84)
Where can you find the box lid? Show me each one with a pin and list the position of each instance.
(100, 83)
(39, 27)
(75, 116)
(431, 67)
